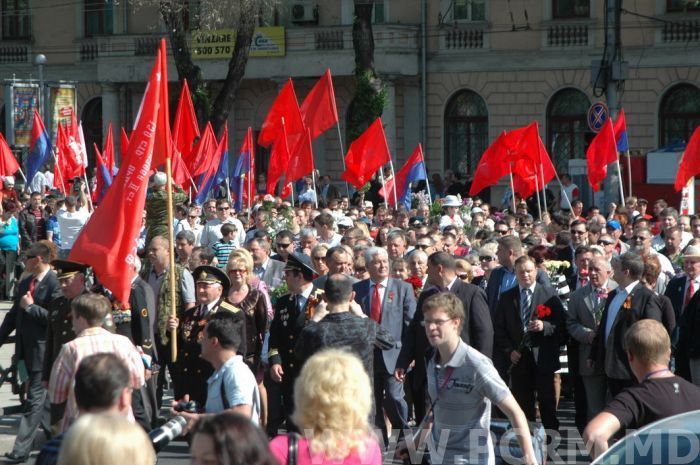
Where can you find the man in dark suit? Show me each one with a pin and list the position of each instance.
(28, 317)
(327, 191)
(680, 290)
(627, 304)
(292, 311)
(502, 279)
(391, 303)
(529, 329)
(477, 329)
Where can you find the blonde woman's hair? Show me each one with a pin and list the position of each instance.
(332, 401)
(241, 256)
(105, 439)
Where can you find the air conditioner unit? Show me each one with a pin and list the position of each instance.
(304, 13)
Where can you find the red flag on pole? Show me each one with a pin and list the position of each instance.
(301, 160)
(601, 151)
(8, 162)
(318, 109)
(690, 161)
(69, 166)
(530, 159)
(284, 107)
(279, 160)
(108, 240)
(181, 175)
(185, 127)
(108, 150)
(163, 143)
(493, 165)
(366, 155)
(203, 152)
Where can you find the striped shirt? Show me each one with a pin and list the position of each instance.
(222, 250)
(89, 342)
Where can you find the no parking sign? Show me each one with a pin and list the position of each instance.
(597, 116)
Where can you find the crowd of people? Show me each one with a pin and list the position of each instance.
(342, 321)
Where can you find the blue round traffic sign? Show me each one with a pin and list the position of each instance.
(597, 116)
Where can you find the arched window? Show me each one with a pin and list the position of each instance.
(567, 127)
(92, 127)
(466, 131)
(679, 114)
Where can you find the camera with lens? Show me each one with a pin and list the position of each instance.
(162, 436)
(187, 406)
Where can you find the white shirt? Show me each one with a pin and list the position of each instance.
(212, 232)
(70, 224)
(615, 307)
(332, 242)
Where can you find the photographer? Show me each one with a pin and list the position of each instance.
(232, 387)
(102, 384)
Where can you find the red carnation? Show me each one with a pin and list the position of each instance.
(543, 311)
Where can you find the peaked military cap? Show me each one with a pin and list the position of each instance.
(66, 268)
(212, 275)
(299, 262)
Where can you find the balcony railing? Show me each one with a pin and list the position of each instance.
(117, 46)
(15, 53)
(680, 31)
(463, 37)
(567, 35)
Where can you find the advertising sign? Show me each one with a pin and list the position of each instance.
(62, 104)
(217, 44)
(24, 99)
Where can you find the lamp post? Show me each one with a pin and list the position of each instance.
(40, 61)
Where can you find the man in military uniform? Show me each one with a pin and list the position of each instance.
(157, 276)
(157, 207)
(292, 311)
(72, 280)
(212, 287)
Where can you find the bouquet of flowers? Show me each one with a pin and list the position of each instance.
(277, 292)
(420, 198)
(555, 269)
(417, 284)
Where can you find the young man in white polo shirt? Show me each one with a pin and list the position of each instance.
(462, 384)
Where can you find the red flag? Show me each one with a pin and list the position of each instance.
(204, 152)
(286, 191)
(108, 150)
(185, 127)
(8, 162)
(75, 153)
(412, 171)
(181, 175)
(601, 151)
(493, 165)
(66, 161)
(100, 165)
(279, 160)
(301, 160)
(59, 169)
(124, 143)
(530, 158)
(318, 109)
(366, 155)
(108, 240)
(163, 143)
(284, 111)
(690, 161)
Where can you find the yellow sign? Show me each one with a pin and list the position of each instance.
(218, 44)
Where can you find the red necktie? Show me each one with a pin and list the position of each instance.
(375, 311)
(32, 286)
(689, 294)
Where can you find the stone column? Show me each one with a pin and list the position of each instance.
(110, 112)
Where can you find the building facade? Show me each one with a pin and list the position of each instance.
(457, 72)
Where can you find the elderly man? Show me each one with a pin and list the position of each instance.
(212, 288)
(268, 270)
(642, 245)
(391, 303)
(418, 264)
(585, 310)
(88, 312)
(682, 291)
(27, 318)
(307, 241)
(212, 229)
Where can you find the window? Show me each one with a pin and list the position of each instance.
(565, 9)
(378, 12)
(16, 19)
(567, 127)
(92, 126)
(466, 131)
(99, 17)
(674, 6)
(469, 10)
(679, 114)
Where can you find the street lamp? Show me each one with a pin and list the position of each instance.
(40, 61)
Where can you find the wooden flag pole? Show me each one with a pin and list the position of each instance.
(381, 175)
(393, 175)
(512, 185)
(342, 156)
(171, 240)
(629, 172)
(619, 178)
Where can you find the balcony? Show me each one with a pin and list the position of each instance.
(680, 31)
(461, 37)
(575, 33)
(15, 53)
(116, 46)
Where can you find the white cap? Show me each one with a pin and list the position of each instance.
(160, 178)
(9, 180)
(451, 201)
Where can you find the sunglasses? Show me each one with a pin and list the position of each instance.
(360, 270)
(422, 246)
(640, 238)
(241, 271)
(605, 243)
(502, 232)
(319, 257)
(223, 208)
(485, 258)
(192, 217)
(283, 246)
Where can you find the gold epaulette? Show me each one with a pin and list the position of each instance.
(230, 307)
(273, 352)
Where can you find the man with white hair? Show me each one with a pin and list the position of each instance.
(391, 303)
(418, 264)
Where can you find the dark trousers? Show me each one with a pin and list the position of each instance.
(37, 413)
(388, 393)
(525, 382)
(580, 403)
(165, 360)
(280, 401)
(8, 259)
(616, 386)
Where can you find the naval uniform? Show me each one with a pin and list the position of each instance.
(58, 332)
(193, 370)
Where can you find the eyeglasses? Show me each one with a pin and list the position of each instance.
(605, 243)
(438, 323)
(502, 232)
(238, 270)
(640, 238)
(578, 232)
(283, 246)
(192, 217)
(223, 208)
(485, 258)
(319, 257)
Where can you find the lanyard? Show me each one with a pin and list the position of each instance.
(655, 372)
